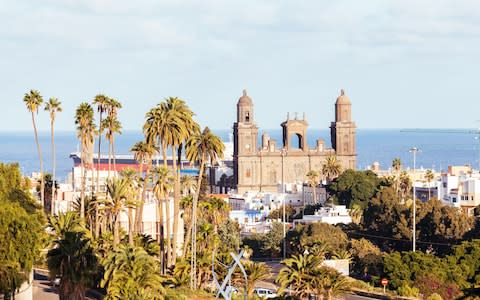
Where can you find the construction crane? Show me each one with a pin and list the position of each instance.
(453, 131)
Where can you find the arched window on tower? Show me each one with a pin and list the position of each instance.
(247, 116)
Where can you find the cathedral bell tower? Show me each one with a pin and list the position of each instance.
(343, 131)
(245, 133)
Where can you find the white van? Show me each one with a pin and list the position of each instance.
(265, 293)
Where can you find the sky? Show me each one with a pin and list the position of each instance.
(404, 64)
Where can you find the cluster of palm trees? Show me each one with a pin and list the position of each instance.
(331, 169)
(169, 129)
(34, 100)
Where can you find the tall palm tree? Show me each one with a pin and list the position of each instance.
(33, 100)
(143, 153)
(166, 126)
(188, 184)
(113, 126)
(331, 168)
(73, 259)
(313, 178)
(101, 101)
(118, 191)
(53, 106)
(184, 116)
(130, 176)
(130, 273)
(186, 205)
(397, 167)
(85, 131)
(163, 185)
(429, 176)
(201, 147)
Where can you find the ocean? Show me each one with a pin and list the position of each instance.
(438, 150)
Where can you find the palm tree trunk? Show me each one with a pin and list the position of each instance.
(193, 267)
(130, 226)
(52, 207)
(139, 210)
(167, 211)
(97, 224)
(188, 236)
(116, 234)
(109, 157)
(176, 205)
(39, 149)
(161, 234)
(113, 155)
(82, 189)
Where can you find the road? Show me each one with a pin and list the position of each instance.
(42, 289)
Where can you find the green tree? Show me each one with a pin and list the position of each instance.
(130, 273)
(85, 132)
(304, 236)
(21, 238)
(201, 147)
(33, 100)
(355, 187)
(53, 106)
(73, 259)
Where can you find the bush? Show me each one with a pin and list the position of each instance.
(407, 291)
(434, 296)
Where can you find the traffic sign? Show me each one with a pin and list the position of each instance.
(384, 281)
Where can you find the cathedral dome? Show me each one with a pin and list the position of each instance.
(245, 100)
(343, 99)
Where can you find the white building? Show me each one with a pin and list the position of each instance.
(331, 215)
(460, 187)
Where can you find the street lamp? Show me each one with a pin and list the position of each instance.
(414, 150)
(283, 153)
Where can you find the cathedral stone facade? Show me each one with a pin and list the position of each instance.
(263, 167)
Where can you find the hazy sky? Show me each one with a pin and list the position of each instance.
(402, 63)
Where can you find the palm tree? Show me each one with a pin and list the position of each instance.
(73, 259)
(397, 167)
(130, 273)
(329, 282)
(53, 106)
(143, 153)
(298, 274)
(256, 271)
(187, 126)
(33, 100)
(130, 176)
(167, 126)
(429, 175)
(65, 222)
(331, 168)
(113, 126)
(101, 101)
(163, 185)
(313, 178)
(118, 191)
(201, 147)
(188, 184)
(186, 205)
(85, 131)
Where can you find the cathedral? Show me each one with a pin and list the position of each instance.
(263, 167)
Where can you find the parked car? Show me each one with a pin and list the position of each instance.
(265, 293)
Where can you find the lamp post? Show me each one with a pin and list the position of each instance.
(414, 150)
(283, 152)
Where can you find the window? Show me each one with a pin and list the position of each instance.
(245, 220)
(247, 116)
(454, 199)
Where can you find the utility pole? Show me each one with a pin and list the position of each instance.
(414, 150)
